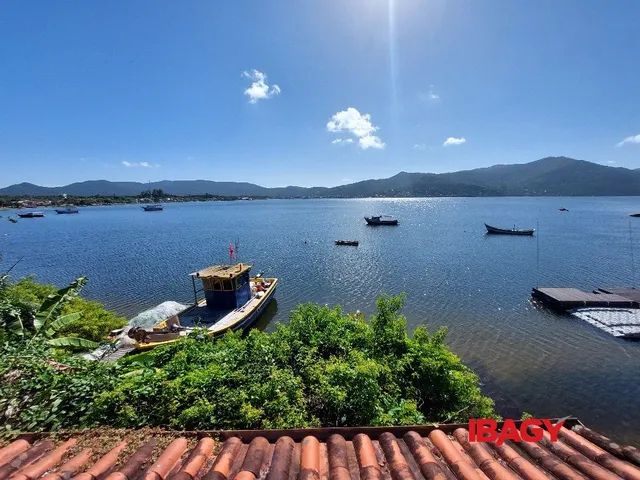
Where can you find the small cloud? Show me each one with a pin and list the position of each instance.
(357, 124)
(611, 162)
(339, 141)
(454, 141)
(631, 139)
(430, 95)
(259, 88)
(420, 146)
(139, 164)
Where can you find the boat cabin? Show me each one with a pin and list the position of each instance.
(226, 287)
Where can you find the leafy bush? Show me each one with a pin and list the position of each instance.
(95, 321)
(40, 393)
(325, 368)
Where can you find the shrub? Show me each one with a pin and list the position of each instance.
(325, 368)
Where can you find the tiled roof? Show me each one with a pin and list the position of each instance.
(396, 453)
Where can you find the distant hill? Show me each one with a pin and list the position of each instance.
(548, 176)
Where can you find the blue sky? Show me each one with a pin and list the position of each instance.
(312, 92)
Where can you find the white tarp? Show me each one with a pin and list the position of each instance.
(620, 322)
(146, 319)
(149, 318)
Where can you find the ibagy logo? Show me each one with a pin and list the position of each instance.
(531, 430)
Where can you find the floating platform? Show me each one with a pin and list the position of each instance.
(570, 298)
(618, 322)
(627, 292)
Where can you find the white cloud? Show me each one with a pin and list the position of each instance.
(454, 141)
(259, 88)
(342, 141)
(420, 146)
(139, 164)
(357, 124)
(430, 95)
(631, 139)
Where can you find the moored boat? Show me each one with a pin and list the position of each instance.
(509, 231)
(634, 214)
(351, 243)
(233, 301)
(153, 208)
(31, 215)
(67, 210)
(381, 220)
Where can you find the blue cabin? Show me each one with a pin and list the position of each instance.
(226, 287)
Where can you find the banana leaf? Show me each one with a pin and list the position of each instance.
(53, 303)
(72, 342)
(61, 322)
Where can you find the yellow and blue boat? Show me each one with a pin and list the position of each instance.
(233, 300)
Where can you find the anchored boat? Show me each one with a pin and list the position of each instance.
(233, 300)
(509, 231)
(67, 210)
(31, 215)
(381, 220)
(153, 208)
(350, 243)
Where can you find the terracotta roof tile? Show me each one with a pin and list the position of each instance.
(371, 453)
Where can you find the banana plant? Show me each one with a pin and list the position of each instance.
(48, 322)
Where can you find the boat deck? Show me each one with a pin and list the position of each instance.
(201, 316)
(570, 298)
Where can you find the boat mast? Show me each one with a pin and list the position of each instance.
(537, 253)
(633, 263)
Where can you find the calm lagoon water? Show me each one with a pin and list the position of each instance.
(453, 274)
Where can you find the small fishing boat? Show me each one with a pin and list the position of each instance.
(381, 220)
(634, 214)
(509, 231)
(350, 243)
(31, 215)
(67, 210)
(563, 209)
(153, 208)
(233, 301)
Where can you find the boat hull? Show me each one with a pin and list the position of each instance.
(502, 231)
(373, 221)
(31, 215)
(243, 322)
(67, 212)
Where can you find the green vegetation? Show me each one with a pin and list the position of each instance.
(38, 201)
(90, 321)
(324, 368)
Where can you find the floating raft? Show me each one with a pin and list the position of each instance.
(615, 321)
(571, 298)
(614, 310)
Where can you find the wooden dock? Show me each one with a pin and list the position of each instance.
(570, 298)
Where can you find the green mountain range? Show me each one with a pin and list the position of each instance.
(548, 176)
